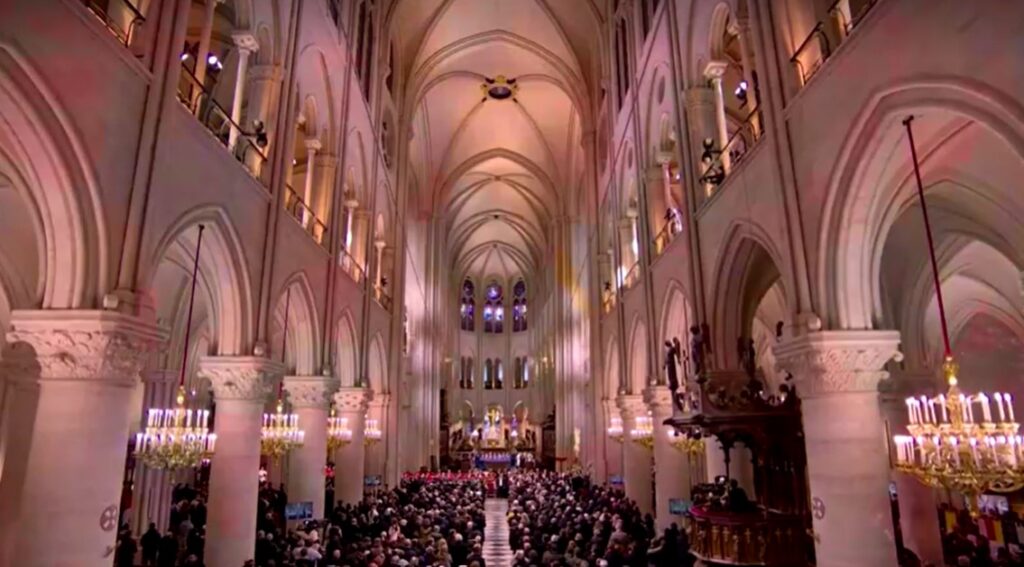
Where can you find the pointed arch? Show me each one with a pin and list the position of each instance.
(639, 373)
(303, 338)
(346, 354)
(223, 271)
(377, 366)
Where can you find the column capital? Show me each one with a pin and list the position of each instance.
(714, 70)
(309, 391)
(158, 377)
(244, 378)
(352, 400)
(611, 407)
(836, 362)
(631, 405)
(79, 345)
(313, 144)
(246, 41)
(659, 401)
(904, 383)
(378, 401)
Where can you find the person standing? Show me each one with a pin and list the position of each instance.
(150, 542)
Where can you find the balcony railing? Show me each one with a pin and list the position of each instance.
(673, 226)
(305, 216)
(383, 298)
(736, 148)
(608, 302)
(350, 265)
(632, 276)
(200, 102)
(816, 49)
(121, 17)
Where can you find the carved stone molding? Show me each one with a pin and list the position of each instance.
(659, 401)
(352, 400)
(78, 345)
(835, 362)
(246, 378)
(308, 391)
(611, 407)
(631, 405)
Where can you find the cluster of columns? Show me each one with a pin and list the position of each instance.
(71, 380)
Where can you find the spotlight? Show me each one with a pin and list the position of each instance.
(184, 56)
(211, 59)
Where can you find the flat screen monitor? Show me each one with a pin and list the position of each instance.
(298, 511)
(615, 480)
(372, 480)
(678, 506)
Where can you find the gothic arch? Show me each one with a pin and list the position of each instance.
(222, 271)
(638, 357)
(303, 337)
(858, 211)
(346, 356)
(47, 167)
(676, 317)
(377, 366)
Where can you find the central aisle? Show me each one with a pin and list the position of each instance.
(497, 552)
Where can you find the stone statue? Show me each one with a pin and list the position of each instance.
(671, 365)
(697, 350)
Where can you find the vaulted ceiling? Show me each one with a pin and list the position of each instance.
(498, 171)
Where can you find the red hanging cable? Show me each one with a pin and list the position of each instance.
(191, 305)
(931, 242)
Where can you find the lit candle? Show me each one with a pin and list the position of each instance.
(1009, 406)
(999, 405)
(986, 411)
(942, 406)
(924, 407)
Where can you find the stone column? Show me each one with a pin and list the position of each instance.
(375, 453)
(917, 502)
(671, 466)
(360, 233)
(714, 72)
(241, 385)
(837, 375)
(71, 377)
(152, 494)
(325, 165)
(309, 397)
(312, 147)
(378, 264)
(247, 45)
(613, 448)
(636, 459)
(350, 460)
(264, 87)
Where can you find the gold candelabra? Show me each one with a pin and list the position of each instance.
(684, 443)
(175, 438)
(280, 433)
(373, 433)
(948, 447)
(643, 431)
(615, 431)
(338, 432)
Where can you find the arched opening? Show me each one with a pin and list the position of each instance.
(519, 307)
(467, 306)
(494, 309)
(638, 364)
(346, 358)
(294, 311)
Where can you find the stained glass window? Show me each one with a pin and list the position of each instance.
(519, 307)
(467, 309)
(494, 309)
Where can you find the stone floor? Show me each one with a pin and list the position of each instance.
(497, 552)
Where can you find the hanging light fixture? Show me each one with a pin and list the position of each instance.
(642, 432)
(338, 432)
(178, 437)
(691, 444)
(948, 446)
(373, 433)
(615, 431)
(281, 432)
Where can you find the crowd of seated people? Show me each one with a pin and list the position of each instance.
(562, 519)
(428, 520)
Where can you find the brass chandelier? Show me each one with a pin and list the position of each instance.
(280, 433)
(615, 431)
(338, 432)
(948, 446)
(642, 432)
(178, 437)
(372, 433)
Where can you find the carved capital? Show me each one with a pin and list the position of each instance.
(659, 401)
(352, 400)
(714, 70)
(245, 378)
(834, 362)
(631, 405)
(78, 345)
(308, 391)
(245, 41)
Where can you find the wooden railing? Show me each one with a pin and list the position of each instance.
(121, 17)
(751, 538)
(816, 48)
(715, 168)
(632, 276)
(673, 226)
(305, 216)
(351, 266)
(200, 102)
